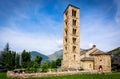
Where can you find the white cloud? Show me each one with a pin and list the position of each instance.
(104, 34)
(20, 40)
(60, 43)
(31, 31)
(94, 30)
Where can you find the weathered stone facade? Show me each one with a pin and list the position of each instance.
(91, 59)
(71, 57)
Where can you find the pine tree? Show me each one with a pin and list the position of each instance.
(26, 58)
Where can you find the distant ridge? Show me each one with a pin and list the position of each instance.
(35, 53)
(59, 54)
(115, 51)
(55, 55)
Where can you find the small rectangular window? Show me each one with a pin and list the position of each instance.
(74, 40)
(66, 23)
(74, 48)
(66, 31)
(74, 13)
(66, 40)
(74, 31)
(66, 13)
(74, 22)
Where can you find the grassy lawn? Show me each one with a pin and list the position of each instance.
(77, 76)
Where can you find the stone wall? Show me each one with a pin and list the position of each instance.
(11, 74)
(104, 61)
(71, 50)
(87, 65)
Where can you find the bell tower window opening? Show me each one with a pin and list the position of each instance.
(74, 48)
(74, 13)
(74, 31)
(66, 13)
(74, 40)
(74, 22)
(66, 23)
(66, 31)
(66, 40)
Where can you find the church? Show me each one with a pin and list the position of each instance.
(73, 56)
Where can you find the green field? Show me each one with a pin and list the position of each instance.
(77, 76)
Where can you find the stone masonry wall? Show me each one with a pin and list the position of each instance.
(11, 74)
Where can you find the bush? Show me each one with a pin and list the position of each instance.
(44, 67)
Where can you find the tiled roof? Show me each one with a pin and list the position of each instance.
(96, 52)
(84, 51)
(87, 59)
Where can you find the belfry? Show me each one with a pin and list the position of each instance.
(71, 40)
(73, 57)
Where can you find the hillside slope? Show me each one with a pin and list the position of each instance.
(35, 53)
(57, 54)
(115, 51)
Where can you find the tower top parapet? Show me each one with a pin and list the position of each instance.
(72, 6)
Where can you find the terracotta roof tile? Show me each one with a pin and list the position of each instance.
(87, 59)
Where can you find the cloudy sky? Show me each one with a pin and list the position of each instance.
(38, 24)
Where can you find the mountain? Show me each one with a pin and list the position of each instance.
(35, 53)
(115, 51)
(55, 55)
(52, 57)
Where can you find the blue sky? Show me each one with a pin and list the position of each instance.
(38, 24)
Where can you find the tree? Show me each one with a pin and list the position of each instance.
(35, 66)
(44, 67)
(10, 60)
(26, 58)
(53, 64)
(38, 59)
(58, 61)
(7, 59)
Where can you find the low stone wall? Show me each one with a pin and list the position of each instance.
(48, 74)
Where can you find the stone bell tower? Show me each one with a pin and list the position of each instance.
(71, 40)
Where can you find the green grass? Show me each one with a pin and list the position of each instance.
(77, 76)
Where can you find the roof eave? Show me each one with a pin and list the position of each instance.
(72, 6)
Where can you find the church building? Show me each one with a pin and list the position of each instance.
(73, 57)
